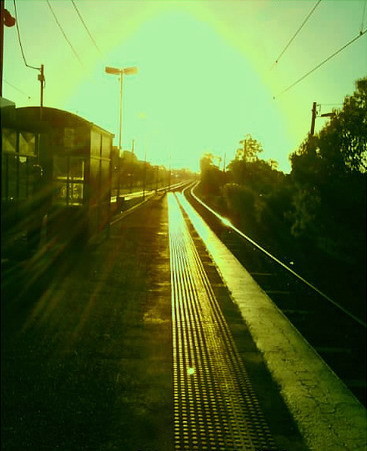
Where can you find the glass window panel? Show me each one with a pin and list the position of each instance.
(76, 193)
(9, 140)
(69, 179)
(60, 193)
(27, 143)
(60, 167)
(76, 169)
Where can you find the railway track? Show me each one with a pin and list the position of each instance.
(336, 334)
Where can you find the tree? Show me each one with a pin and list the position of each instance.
(341, 146)
(249, 150)
(244, 167)
(212, 178)
(353, 129)
(329, 175)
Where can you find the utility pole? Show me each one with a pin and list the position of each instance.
(314, 113)
(120, 122)
(41, 78)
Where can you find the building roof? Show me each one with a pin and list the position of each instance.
(7, 108)
(53, 117)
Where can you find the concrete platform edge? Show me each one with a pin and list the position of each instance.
(328, 415)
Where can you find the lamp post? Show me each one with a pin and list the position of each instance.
(121, 72)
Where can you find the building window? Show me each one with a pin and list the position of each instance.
(69, 180)
(16, 177)
(27, 143)
(8, 140)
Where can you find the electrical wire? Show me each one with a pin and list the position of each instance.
(63, 33)
(296, 33)
(19, 39)
(17, 89)
(85, 26)
(323, 62)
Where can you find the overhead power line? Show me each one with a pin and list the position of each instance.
(19, 39)
(85, 26)
(296, 33)
(17, 89)
(323, 62)
(63, 33)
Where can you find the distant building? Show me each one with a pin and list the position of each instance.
(73, 157)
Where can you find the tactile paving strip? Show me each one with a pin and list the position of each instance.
(215, 407)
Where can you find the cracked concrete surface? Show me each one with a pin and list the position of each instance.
(327, 413)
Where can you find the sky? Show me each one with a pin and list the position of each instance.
(207, 72)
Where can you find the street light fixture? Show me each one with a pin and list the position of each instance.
(121, 72)
(328, 114)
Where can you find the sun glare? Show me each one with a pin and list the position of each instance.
(206, 71)
(193, 93)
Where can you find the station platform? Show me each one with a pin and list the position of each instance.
(153, 340)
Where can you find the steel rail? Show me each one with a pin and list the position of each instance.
(227, 223)
(148, 195)
(129, 196)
